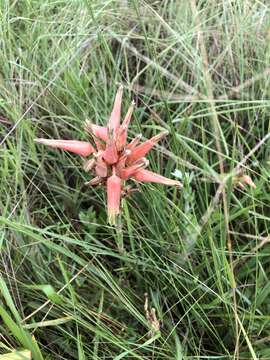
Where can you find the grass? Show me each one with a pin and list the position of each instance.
(73, 287)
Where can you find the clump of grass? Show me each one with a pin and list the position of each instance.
(199, 69)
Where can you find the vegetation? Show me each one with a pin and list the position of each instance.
(186, 275)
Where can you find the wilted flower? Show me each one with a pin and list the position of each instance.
(242, 180)
(114, 160)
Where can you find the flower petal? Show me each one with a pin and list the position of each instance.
(114, 120)
(127, 172)
(149, 176)
(122, 161)
(110, 155)
(100, 132)
(101, 168)
(82, 148)
(142, 149)
(113, 197)
(122, 134)
(134, 142)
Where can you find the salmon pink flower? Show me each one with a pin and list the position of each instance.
(114, 185)
(114, 159)
(82, 148)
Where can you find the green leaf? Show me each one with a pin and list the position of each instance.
(49, 291)
(21, 335)
(17, 355)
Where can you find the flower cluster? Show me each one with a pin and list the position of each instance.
(114, 159)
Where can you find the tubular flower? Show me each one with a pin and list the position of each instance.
(114, 159)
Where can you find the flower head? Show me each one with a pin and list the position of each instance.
(114, 159)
